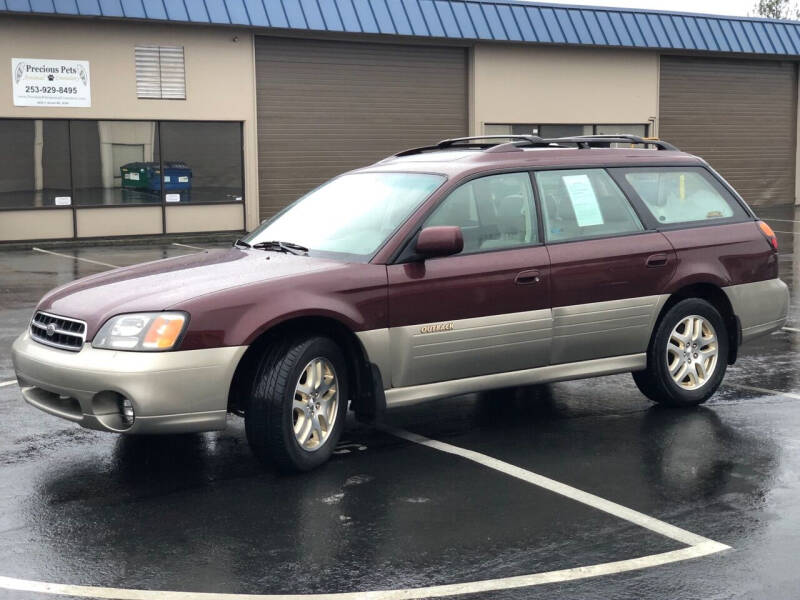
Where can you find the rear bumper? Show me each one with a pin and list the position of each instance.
(762, 306)
(171, 392)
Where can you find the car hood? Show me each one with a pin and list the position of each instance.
(165, 284)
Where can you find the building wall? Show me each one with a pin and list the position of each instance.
(507, 84)
(220, 83)
(529, 84)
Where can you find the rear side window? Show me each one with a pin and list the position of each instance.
(682, 195)
(582, 204)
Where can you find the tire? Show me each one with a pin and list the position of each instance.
(279, 411)
(704, 369)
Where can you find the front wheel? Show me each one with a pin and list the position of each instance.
(298, 403)
(688, 355)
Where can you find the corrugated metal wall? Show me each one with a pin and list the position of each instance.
(328, 107)
(740, 116)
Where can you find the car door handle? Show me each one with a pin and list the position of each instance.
(528, 277)
(657, 260)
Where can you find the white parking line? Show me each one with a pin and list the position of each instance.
(761, 390)
(779, 220)
(698, 546)
(188, 246)
(438, 591)
(5, 383)
(612, 508)
(793, 329)
(88, 260)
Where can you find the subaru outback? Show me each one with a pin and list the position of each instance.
(469, 265)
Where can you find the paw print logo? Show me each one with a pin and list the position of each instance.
(51, 77)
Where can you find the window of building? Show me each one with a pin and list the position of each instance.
(681, 195)
(562, 130)
(45, 163)
(115, 162)
(493, 212)
(34, 163)
(160, 72)
(640, 130)
(202, 161)
(583, 203)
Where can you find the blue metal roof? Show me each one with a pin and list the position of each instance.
(503, 20)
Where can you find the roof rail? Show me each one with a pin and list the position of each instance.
(584, 142)
(515, 143)
(472, 142)
(589, 141)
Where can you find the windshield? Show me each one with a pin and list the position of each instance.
(352, 214)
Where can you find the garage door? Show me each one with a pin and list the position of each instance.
(740, 116)
(326, 107)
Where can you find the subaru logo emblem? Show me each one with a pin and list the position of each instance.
(51, 330)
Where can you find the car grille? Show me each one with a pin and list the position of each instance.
(59, 332)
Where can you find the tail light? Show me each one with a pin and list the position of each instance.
(769, 234)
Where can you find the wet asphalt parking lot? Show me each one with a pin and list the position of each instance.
(571, 490)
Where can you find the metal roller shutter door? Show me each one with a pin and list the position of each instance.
(740, 116)
(325, 107)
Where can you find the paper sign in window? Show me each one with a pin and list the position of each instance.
(584, 200)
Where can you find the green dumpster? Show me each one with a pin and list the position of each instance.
(138, 175)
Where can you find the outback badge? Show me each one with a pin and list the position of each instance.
(437, 327)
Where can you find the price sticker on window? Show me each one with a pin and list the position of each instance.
(173, 197)
(584, 200)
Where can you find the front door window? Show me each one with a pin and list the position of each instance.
(493, 212)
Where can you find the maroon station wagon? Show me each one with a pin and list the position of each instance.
(474, 264)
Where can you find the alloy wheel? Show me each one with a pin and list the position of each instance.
(315, 404)
(692, 352)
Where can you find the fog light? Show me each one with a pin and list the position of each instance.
(126, 411)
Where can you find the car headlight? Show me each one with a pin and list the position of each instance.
(142, 332)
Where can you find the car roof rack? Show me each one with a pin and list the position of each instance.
(592, 141)
(472, 143)
(516, 143)
(585, 142)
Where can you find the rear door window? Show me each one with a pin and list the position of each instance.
(675, 195)
(583, 203)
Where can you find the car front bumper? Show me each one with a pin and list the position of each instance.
(171, 392)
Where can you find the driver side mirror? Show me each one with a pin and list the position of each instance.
(438, 241)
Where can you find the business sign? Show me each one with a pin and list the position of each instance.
(49, 82)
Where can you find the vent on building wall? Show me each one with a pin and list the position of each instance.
(160, 72)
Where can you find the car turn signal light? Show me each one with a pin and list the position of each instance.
(164, 332)
(769, 234)
(142, 332)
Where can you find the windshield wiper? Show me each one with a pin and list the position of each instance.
(287, 247)
(240, 244)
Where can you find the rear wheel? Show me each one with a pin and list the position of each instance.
(297, 406)
(688, 355)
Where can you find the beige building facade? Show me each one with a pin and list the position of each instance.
(220, 87)
(530, 84)
(247, 121)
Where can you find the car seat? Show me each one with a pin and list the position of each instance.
(510, 220)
